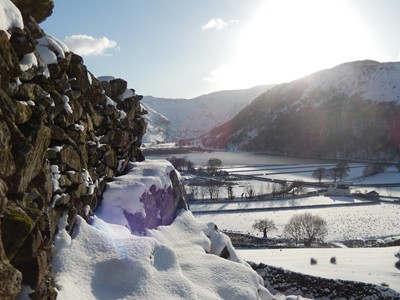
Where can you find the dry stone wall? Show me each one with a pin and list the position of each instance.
(63, 135)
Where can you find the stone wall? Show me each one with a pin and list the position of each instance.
(63, 135)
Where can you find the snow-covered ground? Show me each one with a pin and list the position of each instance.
(350, 222)
(371, 265)
(224, 206)
(296, 172)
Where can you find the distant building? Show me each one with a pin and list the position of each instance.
(338, 190)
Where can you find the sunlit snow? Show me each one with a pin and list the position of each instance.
(101, 260)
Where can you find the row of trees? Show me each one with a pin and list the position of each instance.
(373, 169)
(302, 228)
(181, 163)
(184, 164)
(212, 189)
(340, 171)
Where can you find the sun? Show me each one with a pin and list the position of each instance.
(288, 39)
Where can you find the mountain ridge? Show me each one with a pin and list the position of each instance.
(167, 117)
(350, 111)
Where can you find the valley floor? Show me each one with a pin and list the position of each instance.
(348, 217)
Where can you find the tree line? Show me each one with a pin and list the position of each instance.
(341, 171)
(301, 228)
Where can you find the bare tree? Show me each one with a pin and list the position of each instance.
(373, 169)
(306, 228)
(249, 191)
(334, 173)
(229, 190)
(397, 264)
(298, 187)
(342, 169)
(265, 226)
(319, 174)
(213, 164)
(212, 188)
(181, 163)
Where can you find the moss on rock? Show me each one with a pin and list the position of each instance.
(16, 226)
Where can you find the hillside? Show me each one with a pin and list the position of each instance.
(168, 117)
(350, 111)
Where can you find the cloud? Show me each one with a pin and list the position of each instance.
(86, 45)
(218, 24)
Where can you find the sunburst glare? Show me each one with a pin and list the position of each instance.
(289, 39)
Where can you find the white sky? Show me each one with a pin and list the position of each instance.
(188, 48)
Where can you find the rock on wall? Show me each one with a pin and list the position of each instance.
(63, 135)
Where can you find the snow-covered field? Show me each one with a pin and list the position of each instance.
(273, 204)
(380, 220)
(371, 265)
(304, 173)
(350, 222)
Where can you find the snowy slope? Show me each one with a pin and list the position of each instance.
(351, 111)
(171, 120)
(368, 79)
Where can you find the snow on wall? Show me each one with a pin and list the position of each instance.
(50, 48)
(124, 193)
(10, 16)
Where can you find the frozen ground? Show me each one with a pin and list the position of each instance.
(371, 265)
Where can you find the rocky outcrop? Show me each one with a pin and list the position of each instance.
(63, 135)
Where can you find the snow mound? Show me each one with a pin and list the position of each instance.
(105, 261)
